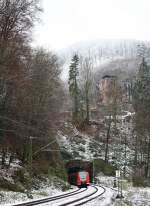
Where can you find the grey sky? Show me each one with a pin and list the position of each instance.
(65, 22)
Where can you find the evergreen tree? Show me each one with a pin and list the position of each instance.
(141, 94)
(141, 50)
(73, 86)
(141, 104)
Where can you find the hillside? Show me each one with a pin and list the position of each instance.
(106, 53)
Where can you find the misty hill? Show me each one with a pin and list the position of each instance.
(106, 48)
(106, 52)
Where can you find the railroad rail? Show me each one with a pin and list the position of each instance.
(50, 199)
(87, 198)
(77, 200)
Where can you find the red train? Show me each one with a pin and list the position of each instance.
(79, 173)
(80, 179)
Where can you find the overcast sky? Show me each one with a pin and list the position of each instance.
(65, 22)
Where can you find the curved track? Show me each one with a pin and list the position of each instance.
(77, 200)
(87, 198)
(92, 198)
(50, 199)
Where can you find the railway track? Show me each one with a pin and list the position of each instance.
(91, 197)
(50, 199)
(74, 198)
(87, 198)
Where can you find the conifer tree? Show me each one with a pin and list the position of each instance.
(141, 95)
(73, 85)
(141, 104)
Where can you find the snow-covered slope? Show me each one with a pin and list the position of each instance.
(83, 145)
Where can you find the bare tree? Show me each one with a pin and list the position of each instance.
(112, 102)
(86, 82)
(16, 21)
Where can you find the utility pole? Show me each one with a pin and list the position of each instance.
(93, 172)
(31, 152)
(119, 184)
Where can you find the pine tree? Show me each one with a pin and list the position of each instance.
(141, 104)
(141, 95)
(73, 85)
(141, 50)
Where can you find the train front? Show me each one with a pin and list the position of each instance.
(83, 179)
(80, 172)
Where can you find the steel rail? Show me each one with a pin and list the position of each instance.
(50, 199)
(85, 197)
(82, 203)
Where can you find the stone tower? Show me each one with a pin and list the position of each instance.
(109, 89)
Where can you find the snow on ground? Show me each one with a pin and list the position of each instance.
(65, 200)
(102, 200)
(139, 196)
(8, 172)
(132, 196)
(135, 197)
(105, 180)
(106, 199)
(81, 145)
(10, 197)
(77, 144)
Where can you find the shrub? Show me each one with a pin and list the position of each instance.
(140, 182)
(106, 168)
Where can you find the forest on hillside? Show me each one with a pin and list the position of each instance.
(31, 93)
(36, 104)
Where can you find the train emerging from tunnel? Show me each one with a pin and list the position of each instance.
(80, 173)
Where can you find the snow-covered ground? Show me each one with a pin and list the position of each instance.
(9, 197)
(132, 196)
(80, 145)
(135, 197)
(105, 199)
(78, 196)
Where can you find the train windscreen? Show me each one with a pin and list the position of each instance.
(83, 175)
